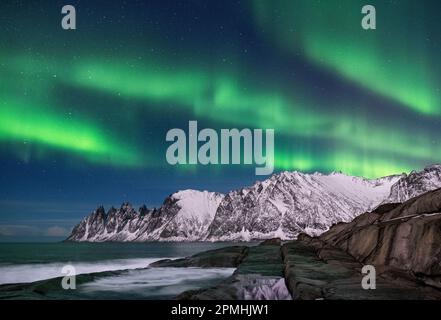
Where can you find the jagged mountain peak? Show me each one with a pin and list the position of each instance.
(184, 214)
(126, 206)
(433, 167)
(100, 210)
(416, 183)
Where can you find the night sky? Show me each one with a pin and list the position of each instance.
(84, 113)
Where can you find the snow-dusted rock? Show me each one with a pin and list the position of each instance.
(292, 202)
(185, 215)
(415, 184)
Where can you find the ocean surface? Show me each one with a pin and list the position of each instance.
(120, 270)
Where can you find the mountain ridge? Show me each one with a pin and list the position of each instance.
(284, 205)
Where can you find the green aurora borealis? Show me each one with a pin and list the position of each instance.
(84, 113)
(366, 103)
(399, 61)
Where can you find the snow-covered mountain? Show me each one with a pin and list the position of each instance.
(293, 202)
(183, 215)
(415, 184)
(282, 206)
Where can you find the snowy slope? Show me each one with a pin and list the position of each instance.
(292, 202)
(197, 210)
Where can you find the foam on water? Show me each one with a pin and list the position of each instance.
(154, 282)
(23, 273)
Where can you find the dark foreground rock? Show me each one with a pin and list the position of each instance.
(402, 242)
(330, 273)
(229, 257)
(406, 238)
(272, 242)
(308, 269)
(50, 289)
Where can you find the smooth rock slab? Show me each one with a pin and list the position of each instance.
(330, 273)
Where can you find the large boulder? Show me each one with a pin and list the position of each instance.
(405, 237)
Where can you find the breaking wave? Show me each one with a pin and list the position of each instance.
(23, 273)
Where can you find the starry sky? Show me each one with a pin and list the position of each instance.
(84, 113)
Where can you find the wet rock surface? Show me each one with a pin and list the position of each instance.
(50, 288)
(258, 276)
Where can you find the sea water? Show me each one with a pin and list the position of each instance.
(30, 262)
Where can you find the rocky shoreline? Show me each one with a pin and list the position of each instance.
(297, 270)
(402, 242)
